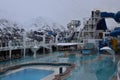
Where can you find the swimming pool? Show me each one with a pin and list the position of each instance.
(86, 66)
(27, 74)
(89, 69)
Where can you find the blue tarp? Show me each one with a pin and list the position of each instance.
(51, 33)
(115, 16)
(115, 33)
(106, 14)
(117, 28)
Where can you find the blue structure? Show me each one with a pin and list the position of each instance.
(103, 43)
(115, 16)
(102, 26)
(115, 33)
(51, 32)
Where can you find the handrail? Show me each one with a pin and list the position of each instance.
(27, 44)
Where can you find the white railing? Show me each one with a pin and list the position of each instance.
(21, 45)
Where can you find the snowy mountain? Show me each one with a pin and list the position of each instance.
(10, 30)
(40, 26)
(43, 24)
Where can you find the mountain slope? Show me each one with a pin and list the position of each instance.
(10, 30)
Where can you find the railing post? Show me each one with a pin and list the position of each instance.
(50, 45)
(44, 39)
(24, 48)
(35, 43)
(10, 47)
(24, 43)
(56, 39)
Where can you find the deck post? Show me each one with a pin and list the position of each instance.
(50, 48)
(34, 55)
(24, 52)
(10, 51)
(44, 39)
(24, 44)
(43, 50)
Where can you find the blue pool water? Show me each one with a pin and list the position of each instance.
(84, 51)
(96, 70)
(27, 74)
(85, 69)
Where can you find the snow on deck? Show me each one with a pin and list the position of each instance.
(66, 44)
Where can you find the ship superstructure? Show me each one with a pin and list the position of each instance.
(95, 27)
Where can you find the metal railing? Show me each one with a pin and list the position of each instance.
(20, 45)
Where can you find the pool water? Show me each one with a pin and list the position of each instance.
(85, 51)
(97, 70)
(85, 69)
(27, 74)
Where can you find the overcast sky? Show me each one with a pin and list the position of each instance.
(61, 11)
